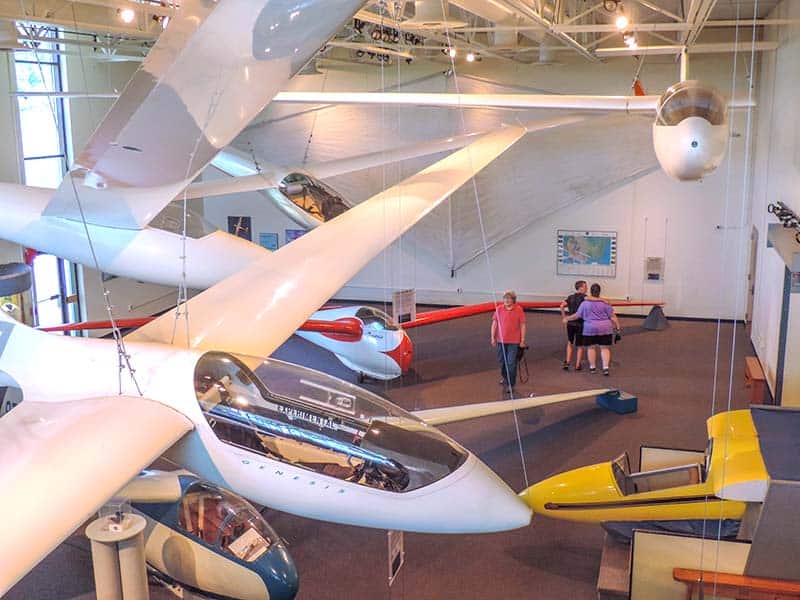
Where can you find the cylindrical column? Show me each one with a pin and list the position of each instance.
(105, 562)
(132, 570)
(118, 558)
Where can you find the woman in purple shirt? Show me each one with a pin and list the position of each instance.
(599, 323)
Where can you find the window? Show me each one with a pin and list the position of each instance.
(41, 118)
(43, 138)
(55, 291)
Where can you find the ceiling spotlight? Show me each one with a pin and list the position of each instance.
(621, 21)
(610, 5)
(470, 57)
(126, 15)
(630, 40)
(451, 53)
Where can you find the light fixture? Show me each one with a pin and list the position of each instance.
(451, 53)
(126, 15)
(610, 5)
(622, 21)
(630, 40)
(470, 57)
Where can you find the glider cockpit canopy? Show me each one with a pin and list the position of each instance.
(312, 196)
(317, 422)
(691, 99)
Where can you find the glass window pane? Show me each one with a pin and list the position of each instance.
(33, 77)
(47, 287)
(39, 127)
(44, 172)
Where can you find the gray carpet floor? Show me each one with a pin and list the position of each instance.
(672, 372)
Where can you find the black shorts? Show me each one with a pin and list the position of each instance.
(574, 333)
(598, 340)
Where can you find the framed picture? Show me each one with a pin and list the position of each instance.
(591, 253)
(293, 234)
(240, 227)
(268, 241)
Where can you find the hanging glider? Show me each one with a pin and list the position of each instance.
(690, 131)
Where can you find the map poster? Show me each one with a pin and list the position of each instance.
(592, 253)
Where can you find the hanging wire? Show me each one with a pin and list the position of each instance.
(182, 305)
(739, 262)
(123, 358)
(740, 250)
(484, 240)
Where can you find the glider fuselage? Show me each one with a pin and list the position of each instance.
(293, 439)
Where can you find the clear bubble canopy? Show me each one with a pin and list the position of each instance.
(317, 422)
(691, 99)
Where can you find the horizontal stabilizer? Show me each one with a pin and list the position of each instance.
(452, 414)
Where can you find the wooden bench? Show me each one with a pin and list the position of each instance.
(754, 379)
(741, 587)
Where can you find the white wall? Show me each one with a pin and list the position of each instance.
(777, 178)
(696, 226)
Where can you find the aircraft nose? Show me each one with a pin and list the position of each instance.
(537, 495)
(403, 353)
(281, 578)
(481, 502)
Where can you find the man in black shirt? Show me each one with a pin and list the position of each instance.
(569, 306)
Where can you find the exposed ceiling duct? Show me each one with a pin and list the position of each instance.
(433, 14)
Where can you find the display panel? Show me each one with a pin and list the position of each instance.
(592, 253)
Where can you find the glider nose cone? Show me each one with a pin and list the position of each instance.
(281, 575)
(486, 503)
(403, 353)
(537, 495)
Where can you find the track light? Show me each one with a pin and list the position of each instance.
(126, 15)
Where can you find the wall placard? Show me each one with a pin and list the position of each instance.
(591, 253)
(654, 269)
(293, 234)
(268, 241)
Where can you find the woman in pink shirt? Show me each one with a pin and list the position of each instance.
(508, 334)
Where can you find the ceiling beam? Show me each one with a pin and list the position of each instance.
(677, 49)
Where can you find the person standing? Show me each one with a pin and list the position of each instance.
(508, 334)
(569, 306)
(599, 322)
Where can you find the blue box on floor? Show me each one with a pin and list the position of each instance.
(620, 402)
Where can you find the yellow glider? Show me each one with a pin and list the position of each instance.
(685, 486)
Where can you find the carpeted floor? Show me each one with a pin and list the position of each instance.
(672, 372)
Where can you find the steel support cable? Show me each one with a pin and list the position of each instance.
(486, 253)
(123, 358)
